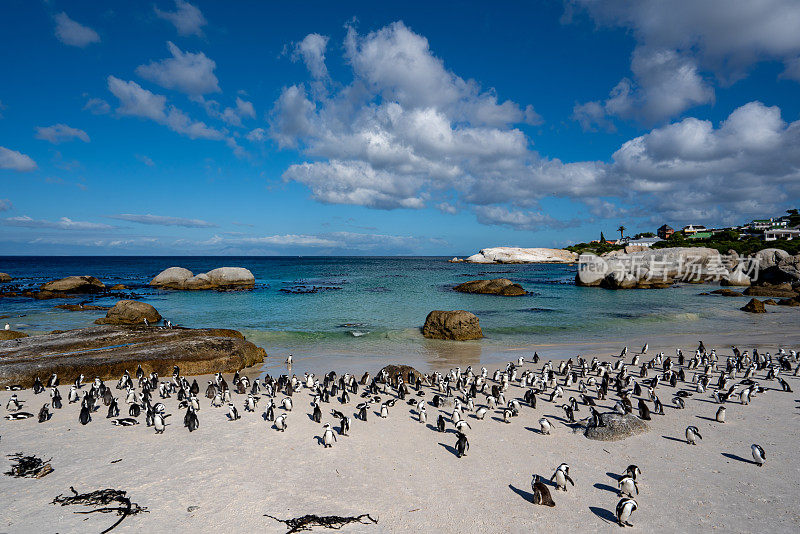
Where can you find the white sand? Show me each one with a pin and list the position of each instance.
(406, 474)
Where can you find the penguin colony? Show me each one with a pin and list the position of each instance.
(730, 381)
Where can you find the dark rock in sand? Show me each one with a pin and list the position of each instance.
(458, 325)
(403, 370)
(789, 302)
(5, 277)
(754, 306)
(769, 302)
(74, 284)
(6, 335)
(498, 286)
(616, 427)
(130, 312)
(82, 307)
(725, 292)
(107, 351)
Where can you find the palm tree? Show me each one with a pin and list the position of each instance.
(621, 231)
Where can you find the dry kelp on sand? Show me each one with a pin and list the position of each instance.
(102, 498)
(29, 466)
(307, 522)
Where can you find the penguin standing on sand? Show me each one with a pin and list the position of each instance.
(462, 445)
(758, 454)
(287, 404)
(280, 422)
(541, 494)
(44, 414)
(362, 411)
(159, 422)
(625, 508)
(423, 415)
(440, 423)
(545, 426)
(633, 471)
(692, 433)
(269, 413)
(345, 422)
(85, 416)
(56, 396)
(720, 417)
(113, 409)
(233, 413)
(627, 485)
(561, 477)
(328, 437)
(13, 404)
(644, 411)
(480, 413)
(190, 420)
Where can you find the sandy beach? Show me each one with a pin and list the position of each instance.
(407, 475)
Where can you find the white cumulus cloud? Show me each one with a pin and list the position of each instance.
(59, 133)
(73, 33)
(187, 72)
(14, 160)
(186, 18)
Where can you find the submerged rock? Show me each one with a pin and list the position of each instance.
(754, 306)
(130, 312)
(616, 427)
(6, 335)
(725, 292)
(5, 277)
(107, 351)
(458, 325)
(498, 286)
(74, 284)
(780, 291)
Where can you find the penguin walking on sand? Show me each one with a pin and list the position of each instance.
(758, 454)
(345, 422)
(233, 413)
(423, 415)
(632, 471)
(627, 485)
(190, 420)
(625, 508)
(328, 437)
(545, 426)
(269, 412)
(692, 434)
(362, 411)
(13, 404)
(316, 416)
(85, 416)
(113, 409)
(541, 494)
(720, 417)
(480, 413)
(440, 423)
(159, 422)
(561, 477)
(44, 414)
(280, 422)
(462, 445)
(384, 410)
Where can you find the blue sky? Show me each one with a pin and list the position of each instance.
(400, 128)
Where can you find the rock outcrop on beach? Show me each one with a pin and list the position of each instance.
(498, 286)
(779, 268)
(779, 290)
(73, 284)
(5, 277)
(108, 351)
(725, 292)
(82, 307)
(222, 278)
(616, 427)
(6, 335)
(522, 255)
(403, 370)
(458, 325)
(737, 277)
(130, 312)
(754, 306)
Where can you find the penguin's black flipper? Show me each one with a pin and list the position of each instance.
(569, 479)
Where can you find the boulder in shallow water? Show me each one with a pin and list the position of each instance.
(231, 278)
(725, 292)
(197, 282)
(616, 427)
(457, 325)
(498, 286)
(737, 277)
(754, 306)
(130, 312)
(5, 277)
(172, 278)
(780, 291)
(74, 284)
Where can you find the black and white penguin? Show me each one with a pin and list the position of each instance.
(362, 410)
(679, 403)
(85, 416)
(422, 416)
(113, 409)
(159, 422)
(44, 414)
(328, 437)
(561, 477)
(316, 416)
(541, 493)
(53, 382)
(625, 508)
(644, 411)
(545, 426)
(18, 416)
(633, 471)
(269, 412)
(758, 454)
(127, 421)
(720, 417)
(280, 422)
(627, 485)
(287, 404)
(134, 410)
(13, 403)
(233, 413)
(692, 434)
(440, 423)
(190, 420)
(462, 444)
(56, 396)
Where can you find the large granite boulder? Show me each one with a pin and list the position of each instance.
(754, 306)
(108, 351)
(5, 277)
(787, 270)
(221, 278)
(620, 280)
(523, 255)
(231, 278)
(592, 269)
(403, 370)
(770, 257)
(172, 278)
(74, 284)
(616, 427)
(458, 325)
(737, 277)
(498, 286)
(130, 312)
(5, 335)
